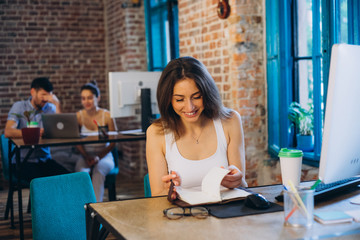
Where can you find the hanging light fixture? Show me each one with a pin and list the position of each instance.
(223, 9)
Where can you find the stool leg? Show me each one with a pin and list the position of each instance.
(29, 205)
(8, 204)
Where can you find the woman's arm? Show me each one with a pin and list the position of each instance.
(235, 152)
(156, 162)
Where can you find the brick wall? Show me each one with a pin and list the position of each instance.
(126, 51)
(63, 40)
(125, 33)
(232, 49)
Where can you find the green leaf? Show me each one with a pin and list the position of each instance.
(302, 118)
(28, 115)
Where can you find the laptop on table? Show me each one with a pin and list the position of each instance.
(60, 125)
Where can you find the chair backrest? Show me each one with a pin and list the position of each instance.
(57, 205)
(147, 189)
(115, 154)
(5, 155)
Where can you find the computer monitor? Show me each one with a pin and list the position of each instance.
(340, 153)
(125, 92)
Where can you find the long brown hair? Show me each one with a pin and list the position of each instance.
(176, 70)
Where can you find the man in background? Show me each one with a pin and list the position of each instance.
(42, 101)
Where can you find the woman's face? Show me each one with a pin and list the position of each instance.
(88, 99)
(187, 100)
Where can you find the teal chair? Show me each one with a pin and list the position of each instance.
(6, 171)
(110, 180)
(147, 189)
(57, 206)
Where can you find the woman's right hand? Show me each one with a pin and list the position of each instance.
(167, 182)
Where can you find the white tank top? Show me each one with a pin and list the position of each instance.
(192, 172)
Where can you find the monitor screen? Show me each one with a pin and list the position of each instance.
(125, 92)
(340, 152)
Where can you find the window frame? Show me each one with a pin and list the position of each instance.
(169, 44)
(280, 65)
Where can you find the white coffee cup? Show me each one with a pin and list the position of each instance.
(290, 164)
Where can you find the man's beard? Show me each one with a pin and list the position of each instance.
(39, 106)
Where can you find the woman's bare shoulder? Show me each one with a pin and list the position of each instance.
(234, 119)
(107, 113)
(155, 130)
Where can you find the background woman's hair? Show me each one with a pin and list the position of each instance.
(176, 70)
(91, 86)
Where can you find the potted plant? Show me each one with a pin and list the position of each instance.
(303, 119)
(31, 133)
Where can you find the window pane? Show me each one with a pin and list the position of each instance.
(343, 21)
(274, 116)
(304, 28)
(159, 35)
(322, 92)
(306, 86)
(154, 3)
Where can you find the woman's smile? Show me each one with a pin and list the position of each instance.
(187, 100)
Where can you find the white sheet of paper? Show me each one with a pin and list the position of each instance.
(355, 214)
(227, 193)
(96, 133)
(194, 197)
(212, 181)
(355, 200)
(211, 189)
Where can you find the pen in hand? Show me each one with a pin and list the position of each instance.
(171, 190)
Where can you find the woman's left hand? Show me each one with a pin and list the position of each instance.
(91, 161)
(233, 179)
(167, 183)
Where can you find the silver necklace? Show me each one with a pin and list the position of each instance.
(197, 139)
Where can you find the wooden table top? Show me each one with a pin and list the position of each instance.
(143, 219)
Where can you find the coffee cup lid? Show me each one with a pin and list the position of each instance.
(284, 152)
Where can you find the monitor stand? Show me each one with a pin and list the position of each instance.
(146, 113)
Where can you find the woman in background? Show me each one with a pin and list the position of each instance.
(97, 158)
(195, 132)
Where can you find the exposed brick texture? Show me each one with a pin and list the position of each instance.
(63, 40)
(232, 49)
(126, 51)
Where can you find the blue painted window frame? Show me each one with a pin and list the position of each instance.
(162, 32)
(279, 57)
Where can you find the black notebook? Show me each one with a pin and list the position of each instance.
(238, 209)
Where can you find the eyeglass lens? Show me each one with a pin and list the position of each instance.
(199, 212)
(178, 212)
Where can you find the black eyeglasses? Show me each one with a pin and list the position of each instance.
(179, 212)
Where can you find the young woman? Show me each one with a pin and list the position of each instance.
(97, 158)
(195, 131)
